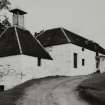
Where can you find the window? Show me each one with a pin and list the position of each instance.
(97, 53)
(1, 88)
(83, 49)
(97, 65)
(75, 60)
(83, 62)
(39, 61)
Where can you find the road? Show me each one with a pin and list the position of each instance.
(58, 91)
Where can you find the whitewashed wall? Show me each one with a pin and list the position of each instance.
(58, 66)
(62, 63)
(15, 70)
(88, 56)
(10, 70)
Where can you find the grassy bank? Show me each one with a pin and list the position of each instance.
(93, 89)
(9, 97)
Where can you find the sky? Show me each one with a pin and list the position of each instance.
(84, 17)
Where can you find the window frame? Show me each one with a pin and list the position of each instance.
(83, 49)
(75, 58)
(39, 62)
(83, 62)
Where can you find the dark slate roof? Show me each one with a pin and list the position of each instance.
(59, 36)
(15, 41)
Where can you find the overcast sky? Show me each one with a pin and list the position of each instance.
(85, 17)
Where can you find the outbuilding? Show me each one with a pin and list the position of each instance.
(72, 54)
(20, 53)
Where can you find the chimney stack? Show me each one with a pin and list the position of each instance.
(18, 17)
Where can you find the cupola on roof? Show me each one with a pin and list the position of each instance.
(18, 17)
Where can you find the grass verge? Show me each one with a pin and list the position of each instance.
(92, 90)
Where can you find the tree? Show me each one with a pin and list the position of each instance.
(4, 4)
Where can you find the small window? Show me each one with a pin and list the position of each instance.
(97, 65)
(83, 62)
(39, 61)
(83, 49)
(75, 60)
(1, 88)
(97, 53)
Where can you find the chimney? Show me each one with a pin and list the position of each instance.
(18, 17)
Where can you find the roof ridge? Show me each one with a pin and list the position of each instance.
(42, 46)
(79, 35)
(48, 30)
(62, 29)
(40, 33)
(39, 43)
(3, 32)
(17, 36)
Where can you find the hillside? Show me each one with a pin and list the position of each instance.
(92, 90)
(58, 90)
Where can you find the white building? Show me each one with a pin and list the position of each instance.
(102, 63)
(72, 54)
(22, 57)
(20, 53)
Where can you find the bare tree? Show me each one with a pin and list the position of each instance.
(4, 4)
